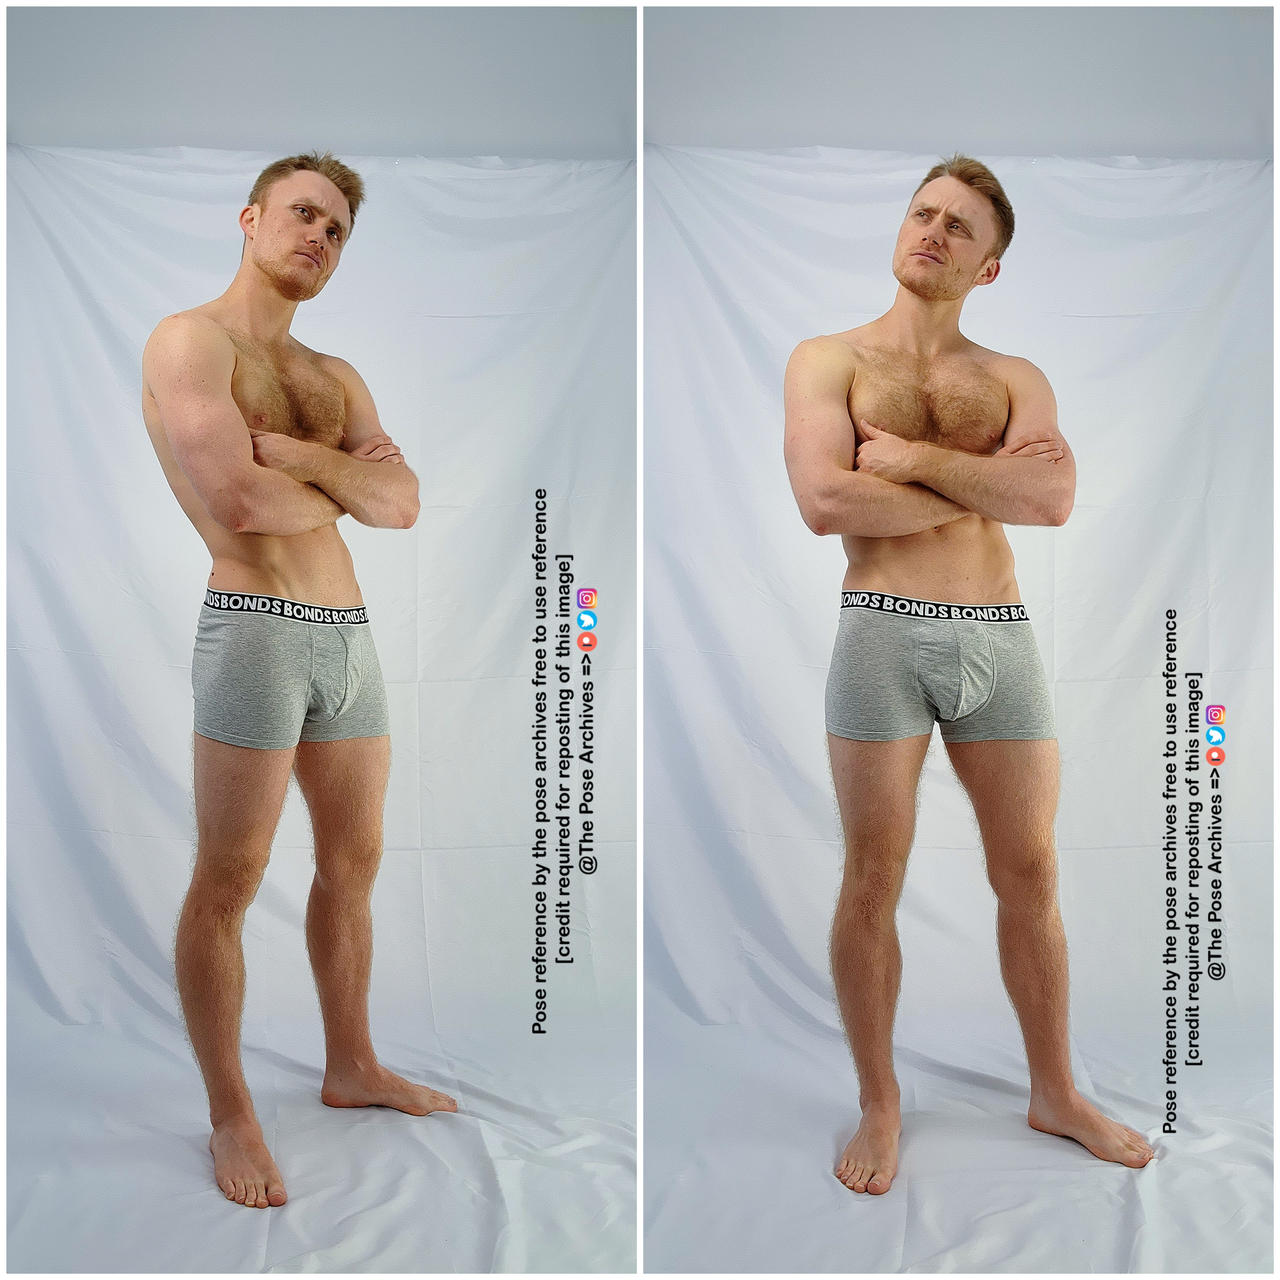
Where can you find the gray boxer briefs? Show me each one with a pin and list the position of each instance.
(269, 672)
(899, 664)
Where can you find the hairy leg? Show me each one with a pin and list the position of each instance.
(344, 784)
(1013, 785)
(876, 790)
(239, 793)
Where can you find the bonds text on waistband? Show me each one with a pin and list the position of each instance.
(238, 602)
(912, 608)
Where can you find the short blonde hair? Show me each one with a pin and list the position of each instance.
(973, 173)
(347, 180)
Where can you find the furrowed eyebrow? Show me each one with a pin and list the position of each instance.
(316, 209)
(928, 208)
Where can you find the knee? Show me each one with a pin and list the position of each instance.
(226, 889)
(349, 868)
(868, 897)
(1025, 879)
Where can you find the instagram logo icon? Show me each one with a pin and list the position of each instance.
(1215, 715)
(586, 597)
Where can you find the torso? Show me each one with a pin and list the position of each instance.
(291, 391)
(957, 401)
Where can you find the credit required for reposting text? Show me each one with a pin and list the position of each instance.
(563, 640)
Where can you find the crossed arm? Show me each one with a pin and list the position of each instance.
(888, 487)
(355, 477)
(263, 482)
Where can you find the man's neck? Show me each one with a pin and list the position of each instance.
(258, 308)
(922, 328)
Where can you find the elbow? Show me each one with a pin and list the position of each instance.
(409, 516)
(816, 512)
(233, 512)
(1059, 510)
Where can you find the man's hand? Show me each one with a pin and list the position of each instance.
(1049, 449)
(883, 454)
(283, 453)
(378, 449)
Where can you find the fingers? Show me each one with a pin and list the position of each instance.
(1033, 449)
(377, 449)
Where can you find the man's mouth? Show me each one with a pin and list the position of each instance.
(309, 257)
(921, 254)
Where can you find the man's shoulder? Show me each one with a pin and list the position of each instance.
(1000, 363)
(828, 353)
(194, 325)
(186, 335)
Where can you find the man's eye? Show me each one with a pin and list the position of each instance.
(333, 231)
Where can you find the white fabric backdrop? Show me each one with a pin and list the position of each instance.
(490, 307)
(1141, 288)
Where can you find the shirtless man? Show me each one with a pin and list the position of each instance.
(266, 444)
(952, 442)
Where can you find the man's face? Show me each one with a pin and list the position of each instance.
(945, 244)
(297, 236)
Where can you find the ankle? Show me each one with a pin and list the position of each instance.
(350, 1064)
(233, 1115)
(880, 1102)
(1058, 1094)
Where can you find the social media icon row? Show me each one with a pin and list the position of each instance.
(587, 620)
(1215, 716)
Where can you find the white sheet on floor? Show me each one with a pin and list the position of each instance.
(1141, 288)
(490, 308)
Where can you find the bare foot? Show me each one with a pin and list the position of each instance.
(1075, 1117)
(870, 1161)
(378, 1087)
(242, 1165)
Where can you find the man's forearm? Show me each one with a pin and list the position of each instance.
(1009, 489)
(868, 506)
(383, 494)
(278, 504)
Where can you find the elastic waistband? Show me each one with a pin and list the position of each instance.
(908, 607)
(238, 602)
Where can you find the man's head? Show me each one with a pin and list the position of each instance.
(958, 225)
(298, 218)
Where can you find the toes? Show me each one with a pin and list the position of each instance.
(240, 1192)
(878, 1185)
(228, 1188)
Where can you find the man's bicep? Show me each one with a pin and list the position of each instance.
(1033, 410)
(362, 431)
(1033, 419)
(188, 368)
(818, 435)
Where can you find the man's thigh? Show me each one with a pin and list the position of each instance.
(239, 793)
(1013, 785)
(344, 783)
(876, 785)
